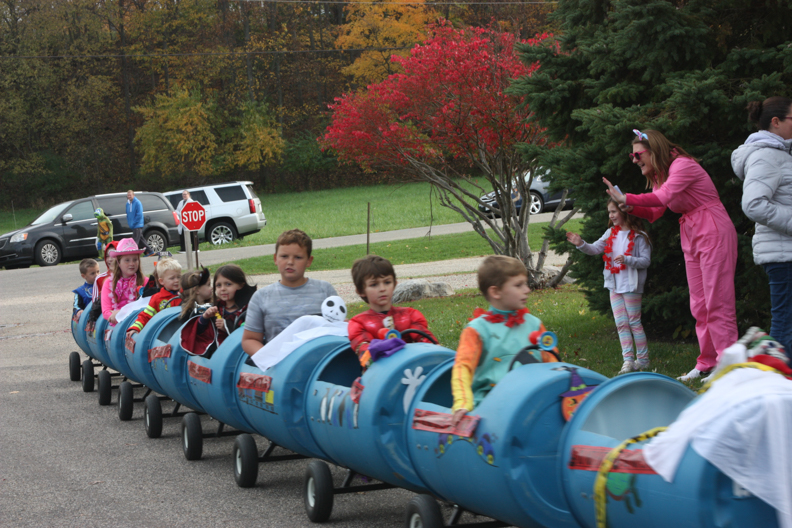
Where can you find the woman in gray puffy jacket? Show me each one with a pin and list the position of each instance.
(764, 163)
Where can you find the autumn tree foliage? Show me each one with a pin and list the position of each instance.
(448, 119)
(379, 26)
(185, 132)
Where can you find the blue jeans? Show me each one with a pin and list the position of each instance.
(780, 274)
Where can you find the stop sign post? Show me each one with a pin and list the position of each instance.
(193, 217)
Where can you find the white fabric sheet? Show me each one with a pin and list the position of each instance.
(742, 425)
(295, 335)
(131, 307)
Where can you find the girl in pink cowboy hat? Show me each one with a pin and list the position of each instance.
(127, 280)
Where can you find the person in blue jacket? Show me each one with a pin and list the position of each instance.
(134, 214)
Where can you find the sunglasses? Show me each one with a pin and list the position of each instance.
(636, 156)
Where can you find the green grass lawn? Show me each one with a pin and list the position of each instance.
(19, 218)
(585, 338)
(410, 251)
(328, 213)
(340, 212)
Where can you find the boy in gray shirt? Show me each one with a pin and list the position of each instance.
(275, 307)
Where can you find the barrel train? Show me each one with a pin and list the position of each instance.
(529, 456)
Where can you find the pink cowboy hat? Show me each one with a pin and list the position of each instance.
(127, 246)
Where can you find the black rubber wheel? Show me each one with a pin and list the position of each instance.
(105, 386)
(152, 416)
(537, 204)
(245, 461)
(156, 241)
(87, 376)
(192, 436)
(421, 333)
(126, 400)
(318, 491)
(74, 366)
(423, 512)
(221, 233)
(47, 253)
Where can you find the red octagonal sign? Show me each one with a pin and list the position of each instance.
(193, 216)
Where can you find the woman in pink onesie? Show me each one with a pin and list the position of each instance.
(709, 239)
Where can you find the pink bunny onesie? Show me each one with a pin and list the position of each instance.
(709, 242)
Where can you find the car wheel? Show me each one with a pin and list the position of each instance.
(537, 204)
(156, 241)
(47, 253)
(221, 233)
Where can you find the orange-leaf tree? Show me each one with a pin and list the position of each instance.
(448, 119)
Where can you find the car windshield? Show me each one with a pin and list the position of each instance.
(50, 215)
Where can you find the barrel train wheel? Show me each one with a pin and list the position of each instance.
(126, 400)
(152, 416)
(74, 366)
(192, 436)
(245, 461)
(423, 512)
(318, 491)
(87, 376)
(105, 386)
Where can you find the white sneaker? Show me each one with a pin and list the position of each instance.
(693, 375)
(628, 366)
(642, 364)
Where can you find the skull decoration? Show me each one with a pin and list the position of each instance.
(334, 309)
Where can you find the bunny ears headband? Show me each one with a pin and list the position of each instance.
(640, 134)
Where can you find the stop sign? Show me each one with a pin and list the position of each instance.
(193, 216)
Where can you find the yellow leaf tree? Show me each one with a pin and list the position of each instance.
(376, 25)
(186, 133)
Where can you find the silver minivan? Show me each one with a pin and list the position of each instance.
(233, 210)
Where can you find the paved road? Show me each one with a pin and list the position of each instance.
(65, 461)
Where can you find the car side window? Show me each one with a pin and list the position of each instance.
(233, 193)
(81, 211)
(200, 197)
(152, 202)
(174, 199)
(113, 205)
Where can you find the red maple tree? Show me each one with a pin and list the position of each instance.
(448, 119)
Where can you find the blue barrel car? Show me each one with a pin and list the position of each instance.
(273, 403)
(75, 364)
(634, 495)
(513, 449)
(212, 382)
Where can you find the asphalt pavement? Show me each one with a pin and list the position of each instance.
(66, 461)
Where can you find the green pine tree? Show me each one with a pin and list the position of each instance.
(687, 69)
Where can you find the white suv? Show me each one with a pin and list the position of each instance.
(232, 210)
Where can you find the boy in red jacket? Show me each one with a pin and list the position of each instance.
(168, 276)
(375, 280)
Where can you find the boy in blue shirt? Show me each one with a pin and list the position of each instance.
(89, 269)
